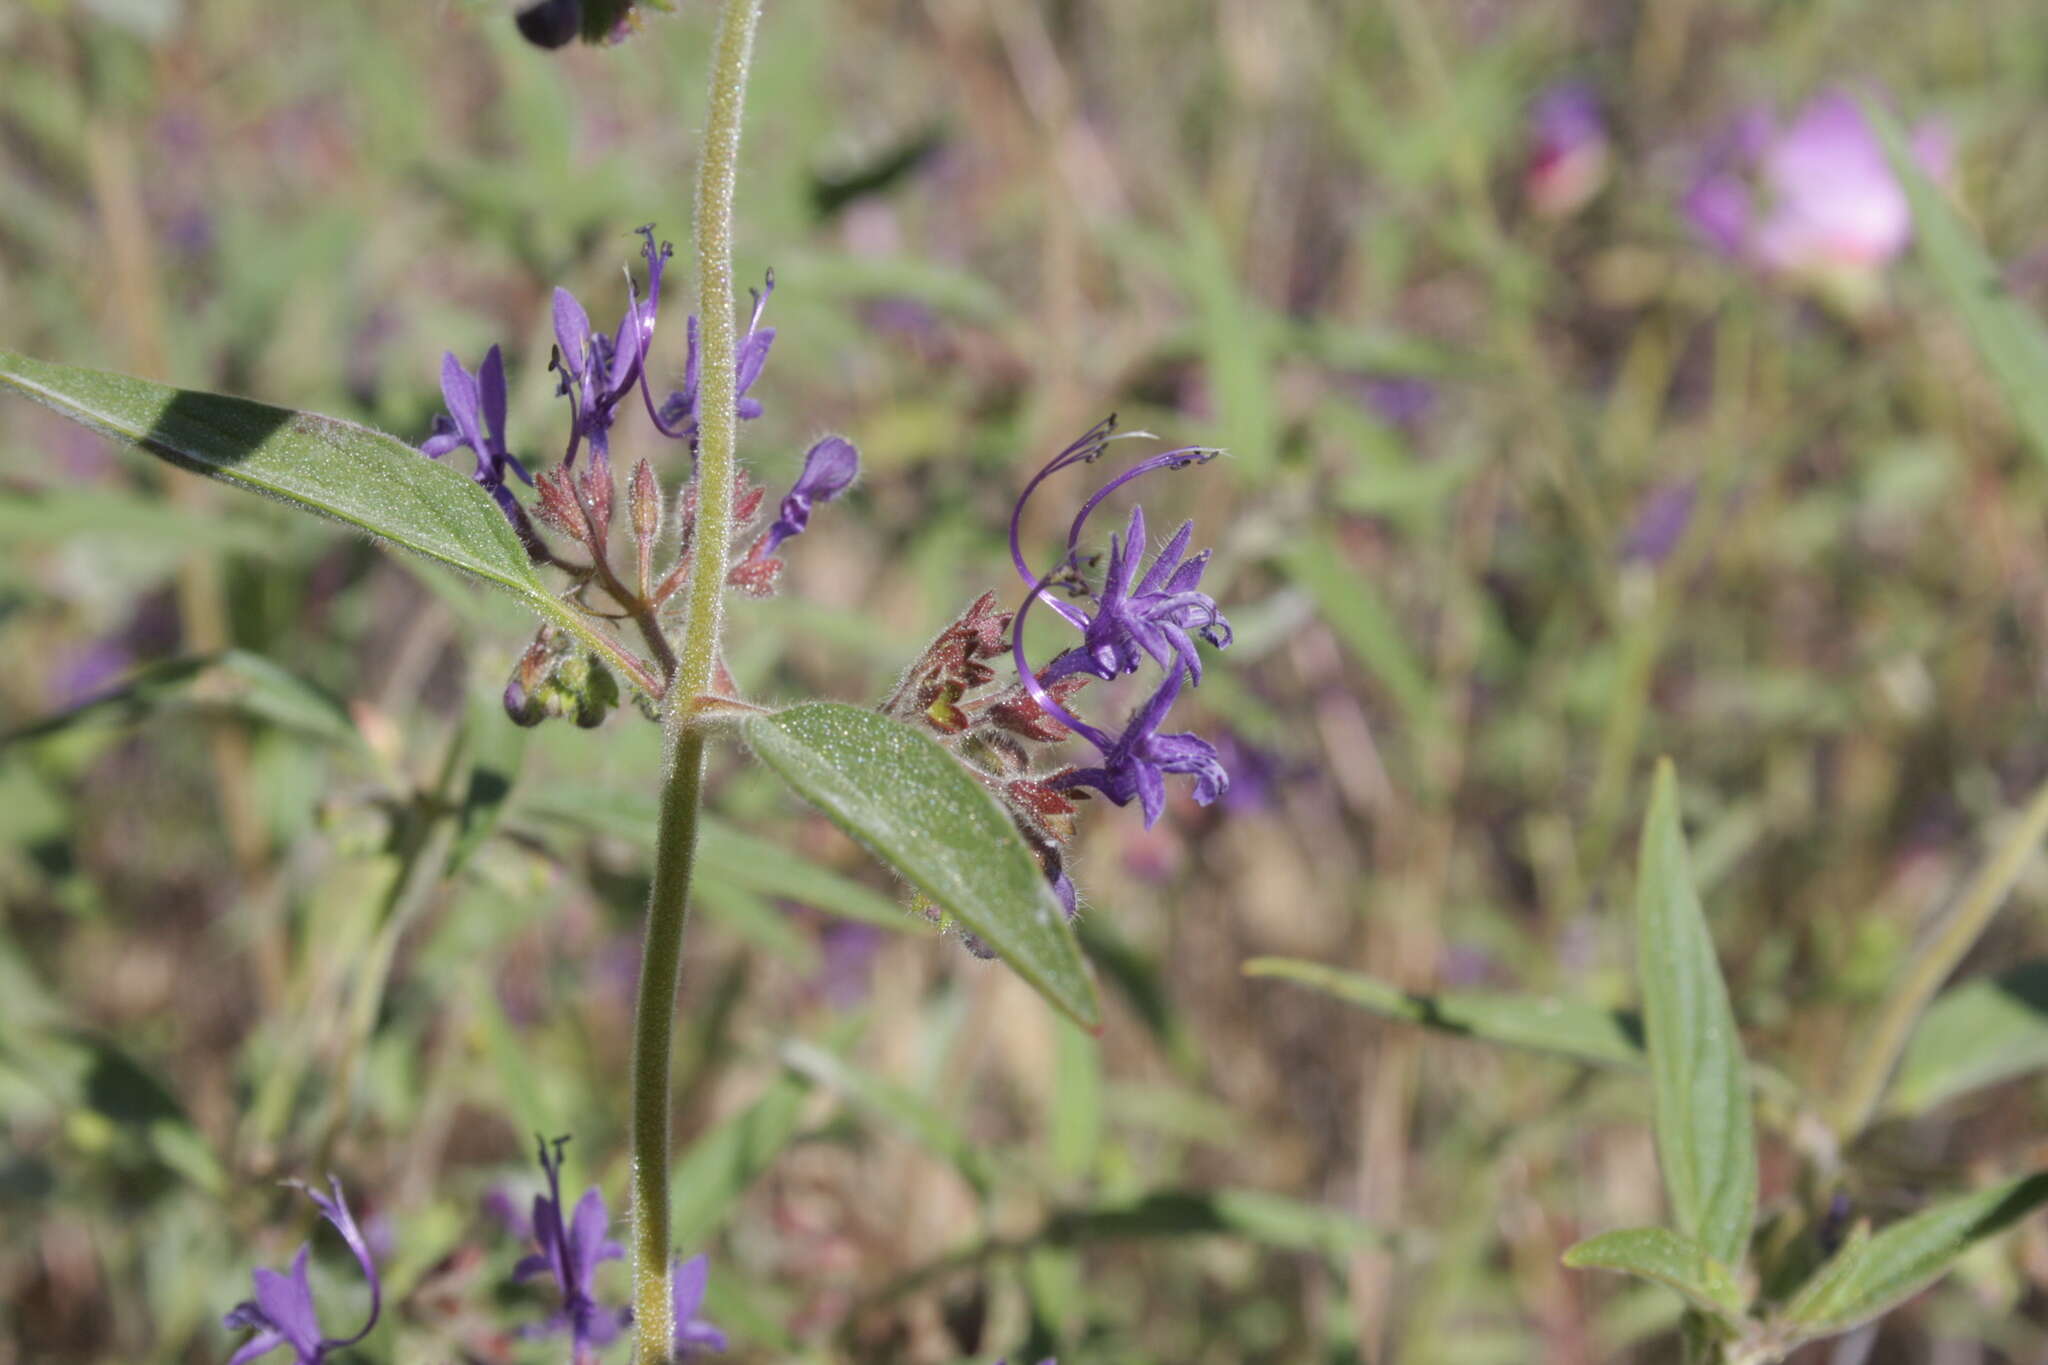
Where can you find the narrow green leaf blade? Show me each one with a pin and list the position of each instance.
(1872, 1275)
(373, 482)
(1706, 1144)
(233, 682)
(1354, 610)
(1984, 1031)
(1563, 1028)
(2009, 339)
(1668, 1258)
(1255, 1215)
(908, 1112)
(902, 794)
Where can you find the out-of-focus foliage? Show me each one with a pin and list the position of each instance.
(1526, 488)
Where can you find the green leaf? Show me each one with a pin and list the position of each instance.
(762, 867)
(1871, 1275)
(1354, 610)
(1668, 1258)
(375, 483)
(909, 1112)
(724, 1162)
(371, 481)
(1563, 1027)
(494, 749)
(1706, 1145)
(2008, 337)
(1985, 1031)
(233, 682)
(1269, 1219)
(919, 809)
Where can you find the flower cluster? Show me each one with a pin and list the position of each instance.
(282, 1312)
(1124, 621)
(599, 375)
(1138, 611)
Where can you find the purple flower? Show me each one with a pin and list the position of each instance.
(598, 371)
(1568, 151)
(571, 1249)
(677, 417)
(476, 420)
(1815, 199)
(1158, 615)
(829, 470)
(1135, 763)
(282, 1310)
(694, 1336)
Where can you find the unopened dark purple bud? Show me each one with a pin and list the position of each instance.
(829, 469)
(551, 23)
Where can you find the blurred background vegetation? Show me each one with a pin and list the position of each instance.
(1525, 488)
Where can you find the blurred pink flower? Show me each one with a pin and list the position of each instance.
(1814, 199)
(1568, 151)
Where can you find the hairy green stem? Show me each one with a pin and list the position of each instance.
(1931, 966)
(697, 664)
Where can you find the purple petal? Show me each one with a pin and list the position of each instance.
(1168, 558)
(572, 331)
(829, 469)
(753, 354)
(491, 388)
(262, 1344)
(689, 1282)
(458, 390)
(1151, 792)
(587, 1242)
(286, 1301)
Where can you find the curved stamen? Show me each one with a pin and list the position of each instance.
(1083, 451)
(1172, 459)
(1029, 678)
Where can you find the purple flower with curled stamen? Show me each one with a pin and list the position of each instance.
(598, 371)
(571, 1249)
(1158, 615)
(677, 416)
(476, 420)
(693, 1335)
(282, 1310)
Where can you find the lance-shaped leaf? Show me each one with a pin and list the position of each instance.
(375, 483)
(1668, 1258)
(2007, 336)
(1562, 1027)
(899, 792)
(1985, 1031)
(231, 683)
(1706, 1145)
(1872, 1275)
